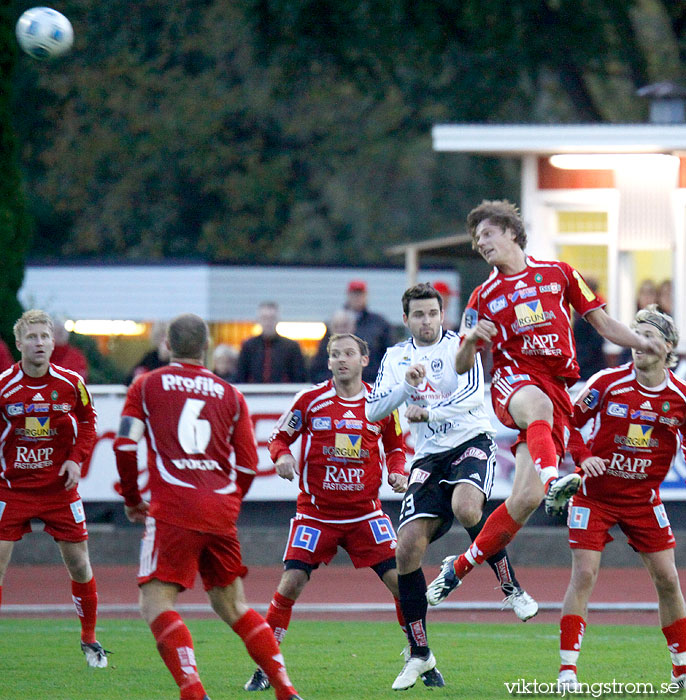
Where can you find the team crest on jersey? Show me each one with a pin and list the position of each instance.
(618, 410)
(437, 365)
(530, 313)
(497, 304)
(321, 423)
(348, 446)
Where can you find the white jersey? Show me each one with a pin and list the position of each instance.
(455, 401)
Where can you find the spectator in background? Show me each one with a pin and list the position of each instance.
(589, 343)
(269, 358)
(342, 322)
(6, 359)
(66, 355)
(157, 357)
(369, 326)
(225, 361)
(647, 294)
(443, 288)
(665, 300)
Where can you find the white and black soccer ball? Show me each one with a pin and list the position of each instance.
(44, 33)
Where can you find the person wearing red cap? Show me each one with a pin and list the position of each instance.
(369, 326)
(446, 294)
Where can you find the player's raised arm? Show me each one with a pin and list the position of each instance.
(389, 391)
(616, 332)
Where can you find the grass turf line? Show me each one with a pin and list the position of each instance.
(40, 659)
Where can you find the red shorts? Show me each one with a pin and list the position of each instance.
(508, 380)
(174, 554)
(62, 513)
(368, 542)
(646, 525)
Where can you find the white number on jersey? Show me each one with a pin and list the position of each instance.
(194, 432)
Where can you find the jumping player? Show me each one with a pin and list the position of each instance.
(48, 431)
(453, 468)
(340, 474)
(523, 309)
(193, 421)
(639, 418)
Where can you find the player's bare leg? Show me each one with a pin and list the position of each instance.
(672, 610)
(6, 547)
(291, 585)
(585, 567)
(229, 603)
(84, 593)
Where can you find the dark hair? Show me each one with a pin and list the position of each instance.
(421, 291)
(188, 336)
(362, 344)
(501, 213)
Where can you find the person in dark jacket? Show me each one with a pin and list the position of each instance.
(269, 358)
(369, 326)
(342, 321)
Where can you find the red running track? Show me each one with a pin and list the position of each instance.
(48, 585)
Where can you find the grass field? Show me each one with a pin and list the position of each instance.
(40, 660)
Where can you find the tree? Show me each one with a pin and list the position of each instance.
(299, 130)
(14, 226)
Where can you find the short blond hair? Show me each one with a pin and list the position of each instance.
(29, 318)
(665, 324)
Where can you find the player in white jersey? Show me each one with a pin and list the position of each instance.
(453, 468)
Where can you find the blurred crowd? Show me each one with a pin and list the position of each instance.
(267, 358)
(270, 358)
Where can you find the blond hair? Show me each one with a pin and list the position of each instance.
(30, 318)
(665, 324)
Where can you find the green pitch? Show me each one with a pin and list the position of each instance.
(40, 659)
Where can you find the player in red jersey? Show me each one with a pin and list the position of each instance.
(523, 310)
(193, 422)
(48, 430)
(639, 418)
(340, 474)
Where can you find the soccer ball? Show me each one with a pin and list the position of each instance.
(44, 33)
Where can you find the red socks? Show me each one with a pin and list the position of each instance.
(497, 531)
(279, 615)
(259, 640)
(85, 597)
(539, 440)
(572, 628)
(675, 634)
(175, 644)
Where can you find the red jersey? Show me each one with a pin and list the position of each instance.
(636, 430)
(532, 316)
(194, 422)
(45, 422)
(340, 460)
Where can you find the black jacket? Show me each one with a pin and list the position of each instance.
(287, 362)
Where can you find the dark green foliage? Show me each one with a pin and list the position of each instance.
(14, 227)
(299, 130)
